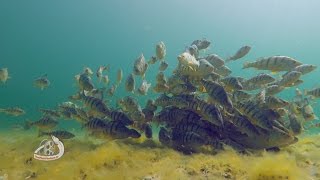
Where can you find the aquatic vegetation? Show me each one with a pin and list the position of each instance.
(91, 159)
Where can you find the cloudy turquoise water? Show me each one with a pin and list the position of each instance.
(60, 38)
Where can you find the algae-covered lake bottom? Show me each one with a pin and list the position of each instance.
(88, 158)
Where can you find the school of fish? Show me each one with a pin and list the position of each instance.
(199, 105)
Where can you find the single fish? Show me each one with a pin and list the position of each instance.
(85, 82)
(272, 102)
(58, 134)
(42, 82)
(308, 113)
(130, 83)
(45, 122)
(129, 104)
(14, 111)
(4, 75)
(260, 79)
(187, 59)
(217, 93)
(205, 67)
(215, 60)
(231, 83)
(201, 43)
(290, 78)
(273, 89)
(223, 71)
(112, 90)
(96, 105)
(117, 130)
(163, 66)
(144, 88)
(88, 71)
(314, 92)
(210, 112)
(140, 66)
(304, 69)
(239, 54)
(161, 79)
(273, 63)
(153, 60)
(105, 79)
(50, 112)
(119, 76)
(160, 50)
(121, 117)
(193, 50)
(100, 70)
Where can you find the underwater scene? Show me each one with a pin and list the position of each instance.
(159, 90)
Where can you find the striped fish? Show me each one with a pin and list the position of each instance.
(260, 79)
(120, 117)
(97, 106)
(254, 114)
(304, 69)
(240, 95)
(95, 125)
(273, 89)
(239, 54)
(160, 50)
(164, 137)
(117, 130)
(243, 124)
(314, 92)
(223, 71)
(201, 43)
(231, 83)
(217, 93)
(85, 82)
(274, 63)
(215, 60)
(130, 83)
(58, 134)
(272, 102)
(45, 122)
(290, 78)
(210, 112)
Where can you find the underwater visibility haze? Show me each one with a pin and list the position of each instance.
(159, 89)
